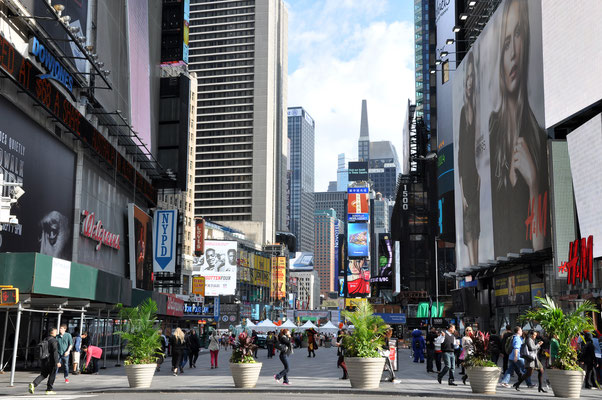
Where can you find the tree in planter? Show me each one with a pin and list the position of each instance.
(481, 355)
(368, 335)
(143, 339)
(242, 353)
(564, 326)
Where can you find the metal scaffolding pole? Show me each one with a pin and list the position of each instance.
(104, 358)
(16, 344)
(4, 341)
(27, 341)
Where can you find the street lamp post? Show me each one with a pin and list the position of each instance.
(437, 275)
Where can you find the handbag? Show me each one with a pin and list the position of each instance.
(524, 353)
(462, 355)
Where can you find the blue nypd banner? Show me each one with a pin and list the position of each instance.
(164, 240)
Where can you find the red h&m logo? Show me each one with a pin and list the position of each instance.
(581, 261)
(537, 223)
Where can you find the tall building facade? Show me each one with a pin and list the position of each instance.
(384, 168)
(342, 173)
(334, 200)
(363, 145)
(425, 53)
(301, 133)
(324, 249)
(239, 51)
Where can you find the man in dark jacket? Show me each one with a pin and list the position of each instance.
(588, 356)
(430, 348)
(507, 335)
(194, 345)
(49, 364)
(449, 358)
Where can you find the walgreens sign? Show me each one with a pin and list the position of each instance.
(93, 229)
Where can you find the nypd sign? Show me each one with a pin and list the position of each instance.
(164, 241)
(55, 70)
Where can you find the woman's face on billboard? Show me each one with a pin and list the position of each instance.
(512, 50)
(469, 79)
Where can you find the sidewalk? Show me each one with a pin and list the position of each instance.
(317, 375)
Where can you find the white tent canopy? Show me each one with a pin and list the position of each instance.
(265, 325)
(288, 325)
(308, 325)
(250, 323)
(328, 327)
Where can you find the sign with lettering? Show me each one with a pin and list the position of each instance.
(581, 261)
(55, 70)
(165, 240)
(198, 285)
(199, 237)
(92, 228)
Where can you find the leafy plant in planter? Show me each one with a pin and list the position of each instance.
(481, 352)
(368, 336)
(143, 340)
(242, 353)
(564, 326)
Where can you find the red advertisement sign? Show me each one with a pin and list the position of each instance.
(175, 306)
(199, 237)
(581, 261)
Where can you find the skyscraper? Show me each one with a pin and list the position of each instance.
(363, 153)
(342, 174)
(239, 51)
(324, 249)
(384, 168)
(301, 129)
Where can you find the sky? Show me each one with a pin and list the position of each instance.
(341, 52)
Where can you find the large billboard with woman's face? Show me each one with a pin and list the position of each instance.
(501, 184)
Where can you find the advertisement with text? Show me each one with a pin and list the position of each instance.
(218, 265)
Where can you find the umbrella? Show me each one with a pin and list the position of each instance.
(308, 325)
(288, 325)
(328, 327)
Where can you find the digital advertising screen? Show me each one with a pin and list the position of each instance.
(358, 243)
(358, 277)
(358, 204)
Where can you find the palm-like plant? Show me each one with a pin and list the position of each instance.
(564, 326)
(243, 349)
(368, 336)
(143, 339)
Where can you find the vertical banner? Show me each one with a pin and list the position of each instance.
(199, 236)
(278, 277)
(397, 273)
(165, 240)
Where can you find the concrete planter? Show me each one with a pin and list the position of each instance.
(140, 375)
(566, 383)
(483, 379)
(365, 373)
(245, 375)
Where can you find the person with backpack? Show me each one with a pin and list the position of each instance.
(505, 349)
(49, 361)
(286, 349)
(65, 342)
(515, 362)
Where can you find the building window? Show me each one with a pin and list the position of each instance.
(445, 71)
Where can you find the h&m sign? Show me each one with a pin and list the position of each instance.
(581, 261)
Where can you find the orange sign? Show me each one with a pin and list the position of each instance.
(357, 203)
(198, 285)
(278, 277)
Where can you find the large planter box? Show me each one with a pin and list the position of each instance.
(140, 375)
(566, 383)
(245, 375)
(365, 373)
(483, 379)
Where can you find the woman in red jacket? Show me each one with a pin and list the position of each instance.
(92, 353)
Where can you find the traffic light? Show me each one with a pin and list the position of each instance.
(9, 297)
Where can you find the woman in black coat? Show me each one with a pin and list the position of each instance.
(178, 347)
(286, 349)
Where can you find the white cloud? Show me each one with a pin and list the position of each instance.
(345, 54)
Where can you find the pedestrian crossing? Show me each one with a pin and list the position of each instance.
(42, 395)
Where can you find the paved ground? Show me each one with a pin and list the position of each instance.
(311, 378)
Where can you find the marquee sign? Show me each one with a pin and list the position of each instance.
(581, 261)
(55, 70)
(93, 229)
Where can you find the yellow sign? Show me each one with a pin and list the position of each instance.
(354, 302)
(198, 285)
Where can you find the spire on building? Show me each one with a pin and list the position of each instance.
(364, 142)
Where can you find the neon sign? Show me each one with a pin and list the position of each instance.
(581, 261)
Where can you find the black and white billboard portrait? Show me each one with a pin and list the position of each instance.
(46, 168)
(502, 203)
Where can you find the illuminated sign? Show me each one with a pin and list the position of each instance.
(198, 285)
(55, 70)
(94, 230)
(357, 204)
(581, 261)
(9, 296)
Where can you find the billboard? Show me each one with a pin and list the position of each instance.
(358, 204)
(501, 184)
(218, 265)
(46, 168)
(358, 171)
(198, 285)
(139, 57)
(278, 277)
(512, 290)
(140, 240)
(165, 239)
(358, 277)
(385, 261)
(358, 240)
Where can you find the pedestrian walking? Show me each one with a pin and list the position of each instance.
(178, 346)
(77, 348)
(214, 348)
(341, 353)
(495, 345)
(467, 350)
(438, 353)
(598, 353)
(505, 337)
(430, 349)
(50, 360)
(256, 343)
(286, 349)
(163, 352)
(185, 352)
(194, 346)
(269, 342)
(418, 344)
(93, 353)
(449, 358)
(311, 342)
(515, 362)
(528, 352)
(588, 356)
(65, 343)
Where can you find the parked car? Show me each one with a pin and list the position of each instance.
(261, 340)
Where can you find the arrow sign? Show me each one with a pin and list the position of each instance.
(164, 241)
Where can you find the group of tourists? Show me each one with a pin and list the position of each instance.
(55, 352)
(184, 347)
(522, 354)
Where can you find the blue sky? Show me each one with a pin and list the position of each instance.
(343, 51)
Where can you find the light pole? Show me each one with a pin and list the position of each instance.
(437, 274)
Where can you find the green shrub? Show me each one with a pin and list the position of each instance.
(143, 341)
(367, 337)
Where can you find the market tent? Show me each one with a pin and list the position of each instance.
(308, 325)
(328, 327)
(288, 325)
(265, 325)
(250, 323)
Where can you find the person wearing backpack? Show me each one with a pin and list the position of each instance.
(515, 362)
(505, 350)
(49, 360)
